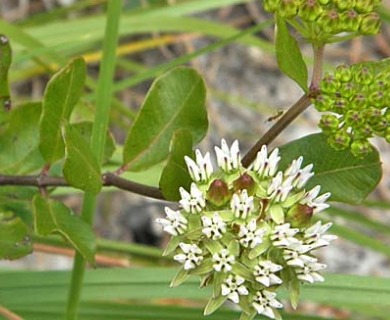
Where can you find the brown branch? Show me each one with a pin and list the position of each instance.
(277, 128)
(108, 179)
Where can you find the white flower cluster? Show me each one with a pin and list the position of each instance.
(247, 232)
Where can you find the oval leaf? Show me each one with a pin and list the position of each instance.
(176, 100)
(19, 141)
(81, 168)
(60, 97)
(348, 178)
(14, 237)
(51, 216)
(175, 173)
(289, 55)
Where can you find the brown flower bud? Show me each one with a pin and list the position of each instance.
(218, 193)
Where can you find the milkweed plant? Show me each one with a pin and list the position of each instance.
(250, 225)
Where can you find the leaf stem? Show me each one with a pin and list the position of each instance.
(277, 128)
(103, 101)
(318, 53)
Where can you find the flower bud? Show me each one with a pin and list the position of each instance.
(310, 10)
(288, 8)
(343, 5)
(340, 106)
(363, 75)
(377, 98)
(343, 73)
(270, 5)
(360, 148)
(299, 215)
(218, 193)
(365, 6)
(362, 132)
(359, 101)
(322, 102)
(330, 21)
(340, 140)
(354, 118)
(370, 24)
(329, 84)
(380, 125)
(329, 123)
(245, 181)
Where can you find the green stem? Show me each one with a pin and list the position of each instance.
(103, 102)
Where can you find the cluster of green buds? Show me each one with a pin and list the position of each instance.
(356, 102)
(330, 17)
(247, 232)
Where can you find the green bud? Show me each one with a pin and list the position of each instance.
(343, 5)
(381, 125)
(365, 6)
(245, 181)
(377, 98)
(310, 10)
(299, 215)
(359, 101)
(360, 148)
(270, 5)
(347, 89)
(340, 106)
(372, 115)
(343, 73)
(362, 132)
(370, 24)
(363, 75)
(340, 140)
(323, 2)
(350, 20)
(354, 118)
(329, 84)
(330, 22)
(322, 102)
(218, 193)
(288, 8)
(329, 123)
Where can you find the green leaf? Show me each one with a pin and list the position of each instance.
(52, 216)
(14, 237)
(19, 141)
(277, 213)
(61, 95)
(347, 177)
(289, 55)
(5, 62)
(214, 304)
(81, 168)
(181, 276)
(175, 101)
(175, 173)
(84, 128)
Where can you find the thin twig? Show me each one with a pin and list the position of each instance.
(277, 128)
(7, 314)
(109, 179)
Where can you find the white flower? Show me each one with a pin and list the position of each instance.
(233, 288)
(300, 176)
(223, 261)
(213, 227)
(317, 203)
(295, 256)
(202, 169)
(264, 302)
(250, 235)
(191, 256)
(283, 235)
(241, 204)
(279, 189)
(315, 237)
(309, 272)
(266, 166)
(175, 223)
(228, 159)
(193, 202)
(264, 273)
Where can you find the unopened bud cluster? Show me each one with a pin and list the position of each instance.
(247, 232)
(356, 100)
(330, 17)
